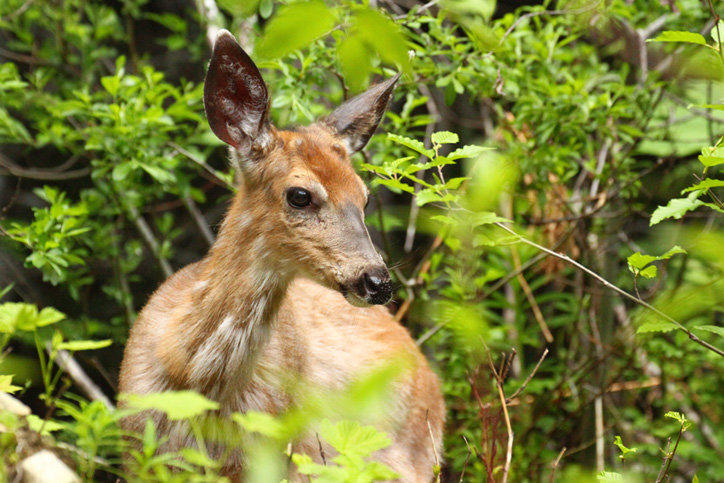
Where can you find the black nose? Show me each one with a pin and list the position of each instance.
(377, 285)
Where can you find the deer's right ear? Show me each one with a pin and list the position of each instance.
(236, 98)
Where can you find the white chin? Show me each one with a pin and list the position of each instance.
(356, 300)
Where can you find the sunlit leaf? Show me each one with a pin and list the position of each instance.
(445, 137)
(355, 62)
(705, 184)
(658, 326)
(351, 438)
(384, 36)
(293, 27)
(717, 32)
(678, 36)
(413, 144)
(6, 384)
(44, 427)
(676, 208)
(469, 151)
(609, 476)
(649, 272)
(177, 405)
(711, 328)
(84, 345)
(262, 423)
(710, 161)
(622, 447)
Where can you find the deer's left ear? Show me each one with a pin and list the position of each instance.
(357, 119)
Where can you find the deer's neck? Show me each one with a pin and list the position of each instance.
(237, 295)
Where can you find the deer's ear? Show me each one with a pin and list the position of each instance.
(236, 98)
(357, 119)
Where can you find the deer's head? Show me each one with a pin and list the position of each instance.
(301, 196)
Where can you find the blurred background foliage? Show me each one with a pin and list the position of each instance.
(557, 116)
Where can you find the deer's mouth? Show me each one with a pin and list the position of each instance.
(373, 287)
(353, 298)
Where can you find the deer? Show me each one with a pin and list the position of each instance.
(293, 288)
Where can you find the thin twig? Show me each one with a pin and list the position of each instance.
(434, 448)
(509, 452)
(673, 452)
(199, 219)
(68, 363)
(660, 476)
(321, 450)
(528, 379)
(40, 174)
(467, 458)
(147, 234)
(204, 165)
(210, 13)
(554, 465)
(531, 298)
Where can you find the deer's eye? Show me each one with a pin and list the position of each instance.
(299, 197)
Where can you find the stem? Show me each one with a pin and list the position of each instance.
(671, 456)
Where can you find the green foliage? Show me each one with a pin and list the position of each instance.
(638, 264)
(176, 405)
(544, 121)
(623, 448)
(354, 443)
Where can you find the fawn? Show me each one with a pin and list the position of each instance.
(293, 288)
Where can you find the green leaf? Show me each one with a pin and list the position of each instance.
(177, 405)
(355, 62)
(609, 476)
(239, 8)
(469, 151)
(384, 36)
(487, 218)
(705, 184)
(711, 328)
(623, 448)
(427, 195)
(716, 31)
(678, 36)
(710, 161)
(660, 326)
(445, 137)
(396, 184)
(293, 27)
(111, 84)
(719, 107)
(47, 426)
(262, 423)
(639, 261)
(6, 384)
(676, 415)
(49, 316)
(351, 438)
(649, 272)
(413, 144)
(676, 208)
(18, 316)
(196, 457)
(266, 7)
(455, 183)
(84, 345)
(6, 290)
